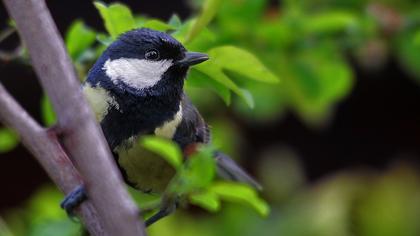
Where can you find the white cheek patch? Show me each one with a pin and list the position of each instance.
(136, 73)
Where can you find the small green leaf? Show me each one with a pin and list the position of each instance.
(104, 39)
(247, 96)
(8, 140)
(215, 72)
(314, 89)
(11, 22)
(79, 38)
(207, 200)
(157, 25)
(117, 17)
(197, 173)
(166, 148)
(408, 50)
(416, 38)
(331, 22)
(242, 62)
(270, 101)
(209, 10)
(43, 200)
(47, 111)
(199, 79)
(201, 43)
(240, 193)
(140, 20)
(175, 21)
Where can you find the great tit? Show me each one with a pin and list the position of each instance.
(135, 88)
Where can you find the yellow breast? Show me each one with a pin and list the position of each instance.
(145, 170)
(168, 129)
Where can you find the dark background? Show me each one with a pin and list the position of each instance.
(377, 124)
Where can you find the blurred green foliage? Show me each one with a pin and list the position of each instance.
(8, 140)
(195, 178)
(307, 46)
(348, 203)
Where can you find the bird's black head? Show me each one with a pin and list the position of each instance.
(144, 60)
(147, 44)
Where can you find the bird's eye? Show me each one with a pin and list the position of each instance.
(152, 54)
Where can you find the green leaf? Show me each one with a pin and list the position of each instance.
(242, 17)
(242, 62)
(240, 193)
(175, 21)
(166, 148)
(209, 10)
(8, 140)
(270, 102)
(390, 205)
(318, 78)
(197, 173)
(79, 38)
(157, 25)
(199, 79)
(207, 200)
(408, 50)
(47, 111)
(201, 43)
(215, 72)
(46, 218)
(44, 201)
(416, 38)
(117, 17)
(104, 39)
(247, 96)
(331, 22)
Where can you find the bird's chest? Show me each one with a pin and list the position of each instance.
(141, 116)
(124, 127)
(145, 170)
(168, 128)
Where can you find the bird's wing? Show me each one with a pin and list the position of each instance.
(226, 167)
(192, 129)
(193, 116)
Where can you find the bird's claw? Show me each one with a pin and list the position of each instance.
(168, 207)
(73, 200)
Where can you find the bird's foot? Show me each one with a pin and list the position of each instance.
(167, 208)
(74, 199)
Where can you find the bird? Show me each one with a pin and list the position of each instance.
(135, 88)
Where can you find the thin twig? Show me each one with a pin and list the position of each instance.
(6, 33)
(13, 54)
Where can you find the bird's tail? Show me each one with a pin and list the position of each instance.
(228, 169)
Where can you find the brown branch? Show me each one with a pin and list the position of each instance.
(47, 150)
(82, 137)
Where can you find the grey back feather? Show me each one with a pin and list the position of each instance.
(228, 169)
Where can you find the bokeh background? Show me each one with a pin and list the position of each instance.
(336, 143)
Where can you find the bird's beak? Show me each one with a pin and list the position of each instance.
(192, 58)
